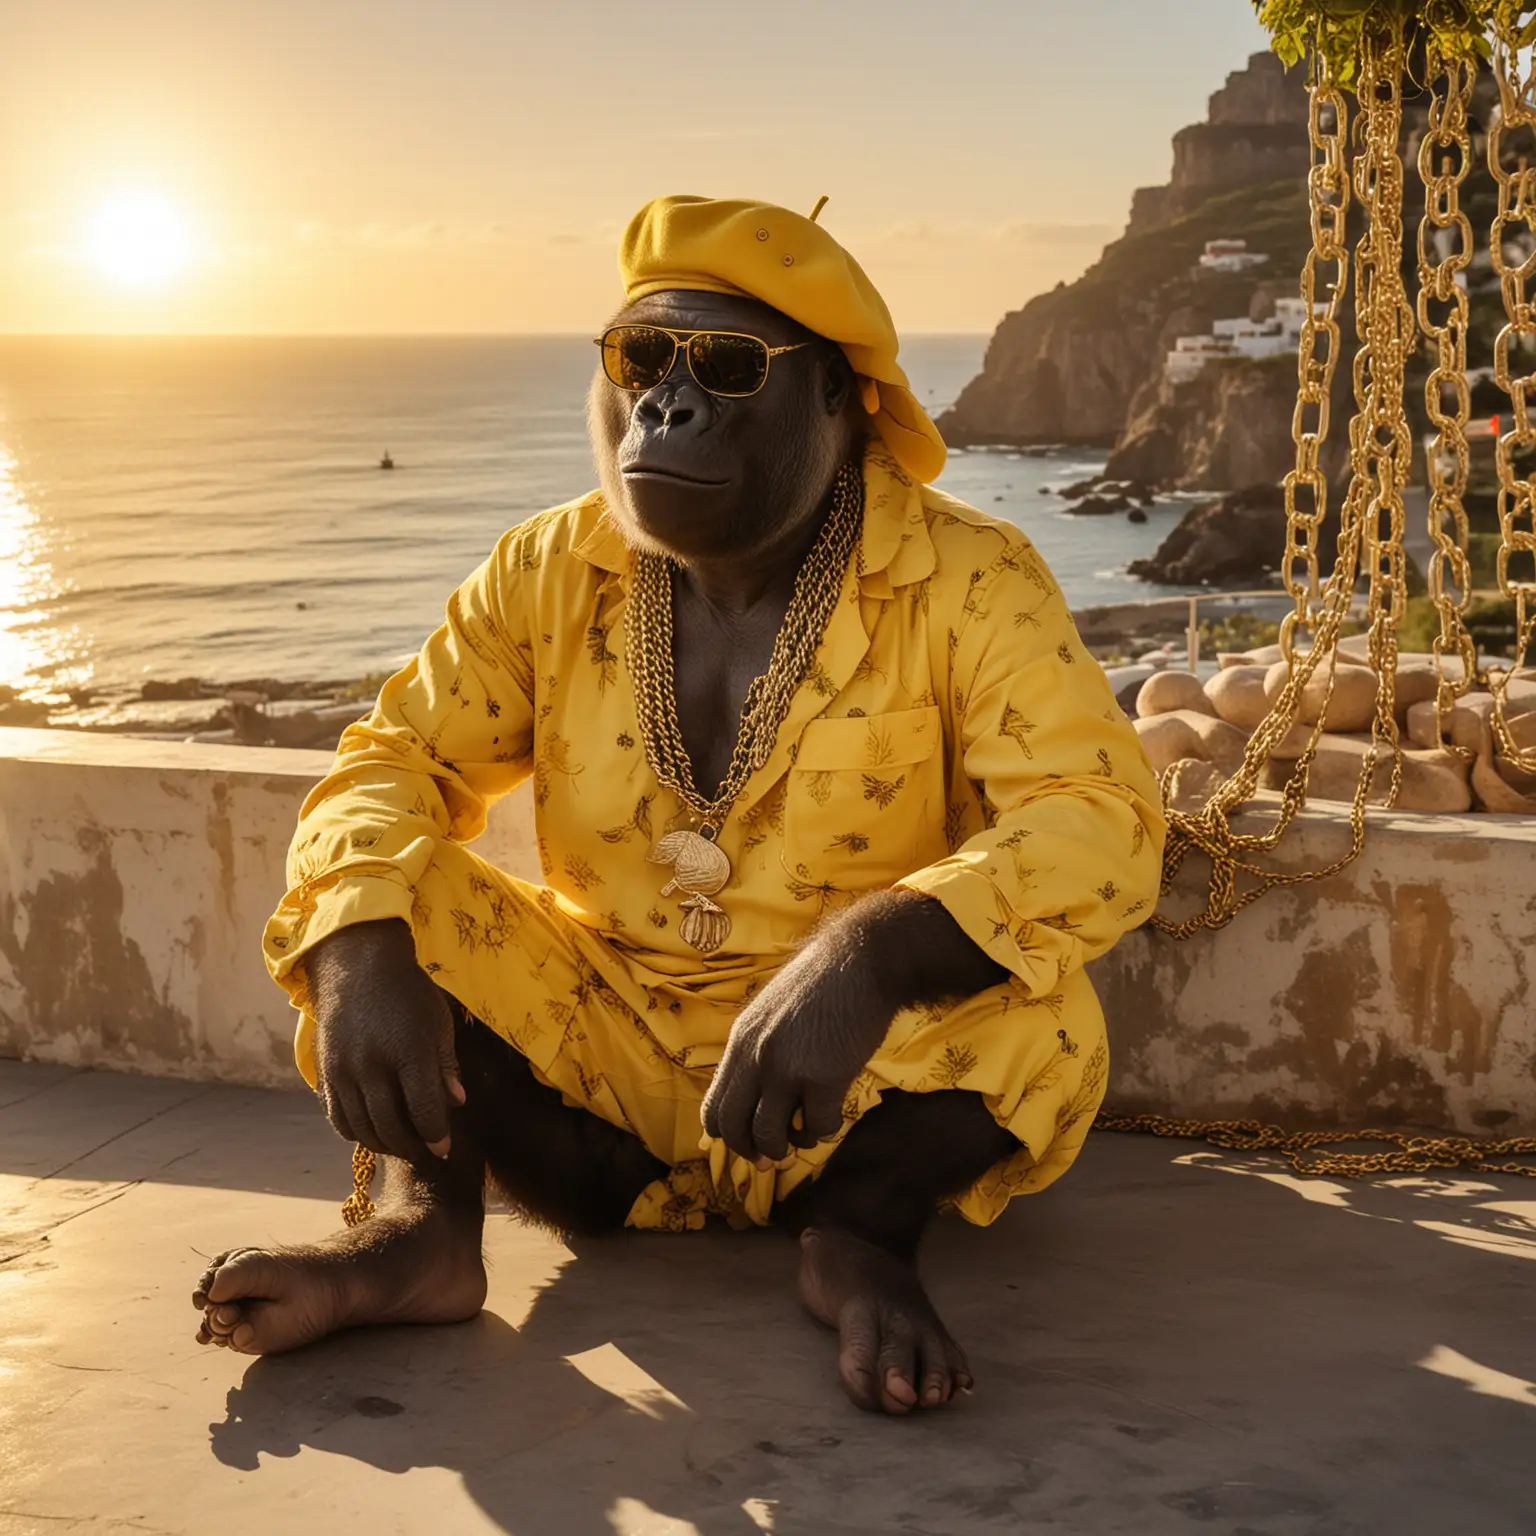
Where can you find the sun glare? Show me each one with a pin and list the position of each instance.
(141, 240)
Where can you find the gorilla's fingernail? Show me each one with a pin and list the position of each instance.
(439, 1148)
(456, 1090)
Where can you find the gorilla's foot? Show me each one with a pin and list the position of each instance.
(894, 1353)
(419, 1266)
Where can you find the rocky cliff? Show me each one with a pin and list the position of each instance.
(1229, 426)
(1067, 366)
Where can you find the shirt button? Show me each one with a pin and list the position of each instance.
(762, 234)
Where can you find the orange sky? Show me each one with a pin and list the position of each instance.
(467, 165)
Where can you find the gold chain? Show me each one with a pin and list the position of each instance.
(1371, 519)
(1517, 495)
(358, 1206)
(648, 637)
(1445, 158)
(1415, 1153)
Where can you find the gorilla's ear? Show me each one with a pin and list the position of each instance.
(839, 380)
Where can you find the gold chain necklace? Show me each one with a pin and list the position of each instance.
(699, 867)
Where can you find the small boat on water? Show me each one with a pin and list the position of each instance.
(386, 462)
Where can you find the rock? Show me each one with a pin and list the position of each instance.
(1126, 682)
(1414, 685)
(1469, 719)
(1135, 515)
(1170, 690)
(1496, 794)
(1167, 738)
(1261, 656)
(1432, 781)
(1186, 733)
(160, 690)
(1352, 706)
(23, 712)
(1078, 488)
(1238, 697)
(1098, 506)
(1194, 782)
(1236, 540)
(1220, 743)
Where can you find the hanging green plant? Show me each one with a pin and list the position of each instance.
(1337, 29)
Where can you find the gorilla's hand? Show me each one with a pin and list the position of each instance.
(798, 1045)
(384, 1042)
(803, 1039)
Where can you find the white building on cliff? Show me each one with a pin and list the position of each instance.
(1230, 256)
(1238, 338)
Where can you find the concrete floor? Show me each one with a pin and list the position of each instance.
(1168, 1341)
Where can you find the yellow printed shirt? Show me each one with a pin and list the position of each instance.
(952, 736)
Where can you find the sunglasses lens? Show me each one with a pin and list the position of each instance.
(728, 365)
(637, 357)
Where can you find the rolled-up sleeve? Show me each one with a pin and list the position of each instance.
(451, 733)
(1071, 854)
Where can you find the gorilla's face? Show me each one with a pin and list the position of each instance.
(706, 477)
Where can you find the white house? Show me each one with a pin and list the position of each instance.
(1239, 337)
(1230, 256)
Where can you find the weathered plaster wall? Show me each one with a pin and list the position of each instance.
(135, 877)
(1399, 991)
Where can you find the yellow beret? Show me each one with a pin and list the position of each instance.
(725, 245)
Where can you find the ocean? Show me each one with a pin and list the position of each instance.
(213, 507)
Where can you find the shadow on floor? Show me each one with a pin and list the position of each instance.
(1158, 1348)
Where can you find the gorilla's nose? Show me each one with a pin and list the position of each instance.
(666, 408)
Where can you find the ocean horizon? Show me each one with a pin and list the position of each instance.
(213, 506)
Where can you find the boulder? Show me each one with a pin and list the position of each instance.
(1238, 697)
(1167, 738)
(1351, 707)
(1220, 743)
(1170, 690)
(1078, 488)
(1415, 684)
(1432, 781)
(24, 712)
(1098, 506)
(1496, 794)
(1194, 782)
(157, 689)
(1237, 539)
(1469, 720)
(1188, 733)
(1126, 682)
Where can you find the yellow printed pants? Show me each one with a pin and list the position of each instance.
(598, 1020)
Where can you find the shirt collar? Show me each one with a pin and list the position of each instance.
(895, 550)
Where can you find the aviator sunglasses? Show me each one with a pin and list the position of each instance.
(727, 363)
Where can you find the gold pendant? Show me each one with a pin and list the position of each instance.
(700, 868)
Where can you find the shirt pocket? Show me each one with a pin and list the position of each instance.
(866, 799)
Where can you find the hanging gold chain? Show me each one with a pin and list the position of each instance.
(1445, 158)
(1517, 494)
(648, 636)
(1306, 487)
(1371, 519)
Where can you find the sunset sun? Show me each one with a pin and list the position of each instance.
(140, 239)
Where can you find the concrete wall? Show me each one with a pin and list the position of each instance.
(135, 877)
